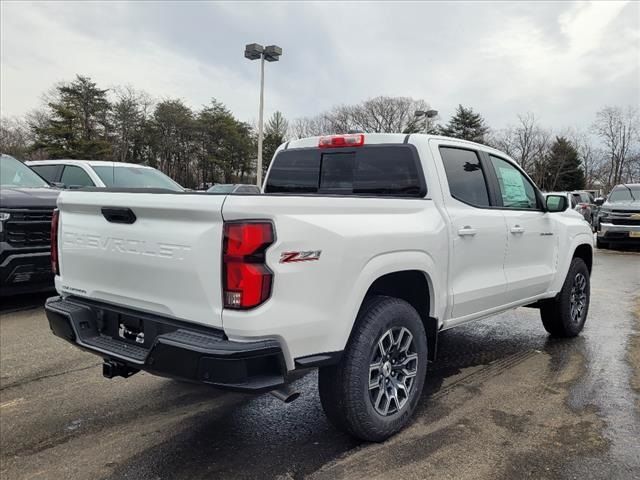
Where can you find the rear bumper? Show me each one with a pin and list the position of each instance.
(167, 347)
(609, 232)
(24, 270)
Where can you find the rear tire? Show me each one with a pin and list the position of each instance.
(565, 315)
(374, 390)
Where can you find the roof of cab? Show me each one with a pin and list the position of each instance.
(95, 163)
(386, 138)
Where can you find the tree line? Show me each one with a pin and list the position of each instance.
(198, 147)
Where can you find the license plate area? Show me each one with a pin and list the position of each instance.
(131, 329)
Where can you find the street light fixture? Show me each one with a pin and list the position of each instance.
(427, 114)
(271, 53)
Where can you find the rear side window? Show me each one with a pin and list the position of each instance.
(48, 172)
(465, 176)
(392, 170)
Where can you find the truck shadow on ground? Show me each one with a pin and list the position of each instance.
(294, 440)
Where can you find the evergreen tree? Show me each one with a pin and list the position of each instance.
(467, 125)
(563, 169)
(275, 134)
(78, 123)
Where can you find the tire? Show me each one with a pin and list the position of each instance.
(600, 244)
(565, 315)
(346, 393)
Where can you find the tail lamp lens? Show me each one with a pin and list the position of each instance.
(247, 280)
(55, 268)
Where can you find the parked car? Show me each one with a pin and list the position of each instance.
(93, 173)
(619, 217)
(361, 250)
(26, 206)
(581, 202)
(234, 188)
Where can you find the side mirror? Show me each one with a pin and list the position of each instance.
(599, 201)
(556, 203)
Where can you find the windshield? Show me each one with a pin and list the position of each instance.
(14, 173)
(221, 188)
(135, 177)
(625, 193)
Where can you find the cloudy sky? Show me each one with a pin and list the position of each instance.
(560, 60)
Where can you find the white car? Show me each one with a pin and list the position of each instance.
(95, 173)
(359, 251)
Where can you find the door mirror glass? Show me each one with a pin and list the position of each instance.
(599, 201)
(557, 203)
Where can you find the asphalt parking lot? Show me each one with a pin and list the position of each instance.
(502, 401)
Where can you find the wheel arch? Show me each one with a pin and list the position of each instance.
(410, 276)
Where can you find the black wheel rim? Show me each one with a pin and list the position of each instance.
(578, 298)
(392, 370)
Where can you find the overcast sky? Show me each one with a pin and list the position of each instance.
(561, 60)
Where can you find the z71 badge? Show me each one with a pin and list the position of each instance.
(291, 257)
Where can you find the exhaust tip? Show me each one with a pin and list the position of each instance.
(285, 394)
(292, 397)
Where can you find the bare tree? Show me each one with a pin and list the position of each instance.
(14, 136)
(618, 130)
(309, 127)
(527, 143)
(380, 114)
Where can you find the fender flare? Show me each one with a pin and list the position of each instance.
(565, 263)
(386, 263)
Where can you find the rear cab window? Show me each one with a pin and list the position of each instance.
(370, 170)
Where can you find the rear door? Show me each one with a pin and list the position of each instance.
(532, 241)
(158, 253)
(477, 278)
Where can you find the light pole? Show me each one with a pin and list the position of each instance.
(254, 51)
(427, 114)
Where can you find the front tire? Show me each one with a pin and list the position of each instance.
(374, 390)
(565, 315)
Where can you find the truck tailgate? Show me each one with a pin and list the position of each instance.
(167, 261)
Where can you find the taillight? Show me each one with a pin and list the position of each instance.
(55, 267)
(246, 278)
(334, 141)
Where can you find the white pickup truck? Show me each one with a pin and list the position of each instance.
(359, 251)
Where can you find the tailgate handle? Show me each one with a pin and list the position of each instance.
(118, 215)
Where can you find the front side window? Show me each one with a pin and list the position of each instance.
(14, 173)
(516, 190)
(465, 176)
(73, 176)
(48, 172)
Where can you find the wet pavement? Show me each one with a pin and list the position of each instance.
(502, 401)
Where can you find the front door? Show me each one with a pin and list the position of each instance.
(531, 237)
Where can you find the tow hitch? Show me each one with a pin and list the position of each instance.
(111, 368)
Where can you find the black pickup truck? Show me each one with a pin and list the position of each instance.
(26, 205)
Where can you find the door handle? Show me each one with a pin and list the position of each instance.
(467, 231)
(517, 229)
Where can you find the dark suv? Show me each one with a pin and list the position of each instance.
(619, 217)
(26, 205)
